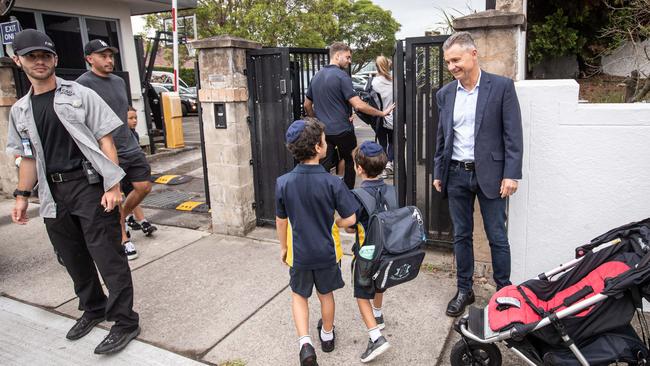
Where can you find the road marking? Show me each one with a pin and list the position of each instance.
(164, 179)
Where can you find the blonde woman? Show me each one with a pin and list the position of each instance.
(383, 85)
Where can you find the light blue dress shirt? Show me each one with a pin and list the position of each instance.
(464, 118)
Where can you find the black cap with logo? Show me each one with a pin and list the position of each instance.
(98, 45)
(30, 40)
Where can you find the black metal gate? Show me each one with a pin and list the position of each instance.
(419, 72)
(278, 79)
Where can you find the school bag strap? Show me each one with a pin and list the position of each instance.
(387, 195)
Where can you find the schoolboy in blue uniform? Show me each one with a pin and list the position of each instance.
(306, 200)
(369, 163)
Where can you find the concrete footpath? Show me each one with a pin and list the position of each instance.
(202, 298)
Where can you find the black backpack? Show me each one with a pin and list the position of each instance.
(397, 235)
(373, 99)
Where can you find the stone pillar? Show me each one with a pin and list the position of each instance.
(222, 62)
(501, 40)
(8, 172)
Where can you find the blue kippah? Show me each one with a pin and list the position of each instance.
(293, 132)
(370, 148)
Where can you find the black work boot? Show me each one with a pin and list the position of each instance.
(457, 305)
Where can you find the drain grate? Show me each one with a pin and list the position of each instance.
(166, 199)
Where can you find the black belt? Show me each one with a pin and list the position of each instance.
(469, 165)
(66, 177)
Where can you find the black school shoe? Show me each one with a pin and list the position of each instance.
(380, 322)
(375, 349)
(116, 340)
(83, 326)
(326, 346)
(134, 225)
(457, 305)
(147, 228)
(308, 355)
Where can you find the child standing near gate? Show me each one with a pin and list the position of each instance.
(306, 201)
(369, 163)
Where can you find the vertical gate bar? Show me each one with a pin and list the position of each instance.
(409, 118)
(252, 112)
(427, 139)
(206, 184)
(399, 140)
(303, 82)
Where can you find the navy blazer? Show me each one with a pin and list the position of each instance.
(498, 141)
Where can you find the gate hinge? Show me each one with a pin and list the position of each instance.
(248, 119)
(246, 72)
(250, 162)
(254, 205)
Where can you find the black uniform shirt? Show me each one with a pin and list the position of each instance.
(61, 152)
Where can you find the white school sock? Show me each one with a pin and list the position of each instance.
(304, 340)
(142, 221)
(376, 312)
(374, 334)
(325, 335)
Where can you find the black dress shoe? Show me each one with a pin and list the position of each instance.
(308, 355)
(457, 305)
(83, 326)
(326, 346)
(116, 340)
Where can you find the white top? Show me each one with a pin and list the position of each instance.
(384, 88)
(464, 120)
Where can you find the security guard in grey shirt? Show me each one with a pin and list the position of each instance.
(62, 131)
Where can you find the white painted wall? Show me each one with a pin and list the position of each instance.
(112, 10)
(586, 170)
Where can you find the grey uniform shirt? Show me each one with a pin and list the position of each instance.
(85, 116)
(112, 89)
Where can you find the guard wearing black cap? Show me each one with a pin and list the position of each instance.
(62, 131)
(100, 55)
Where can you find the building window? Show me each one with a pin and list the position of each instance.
(68, 35)
(106, 30)
(65, 31)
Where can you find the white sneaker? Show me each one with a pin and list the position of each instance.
(129, 250)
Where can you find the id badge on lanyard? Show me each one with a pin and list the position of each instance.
(27, 148)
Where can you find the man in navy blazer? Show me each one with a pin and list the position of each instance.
(478, 154)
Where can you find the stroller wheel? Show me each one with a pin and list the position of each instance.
(470, 353)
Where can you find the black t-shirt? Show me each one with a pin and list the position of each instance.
(61, 152)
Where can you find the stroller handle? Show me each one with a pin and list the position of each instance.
(572, 263)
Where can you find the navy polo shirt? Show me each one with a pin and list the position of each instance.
(308, 196)
(330, 89)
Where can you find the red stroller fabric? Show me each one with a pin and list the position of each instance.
(526, 314)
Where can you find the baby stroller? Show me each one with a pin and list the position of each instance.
(582, 317)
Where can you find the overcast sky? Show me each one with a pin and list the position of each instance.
(415, 16)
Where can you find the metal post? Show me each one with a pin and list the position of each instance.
(204, 161)
(175, 42)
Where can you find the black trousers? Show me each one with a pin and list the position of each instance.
(344, 144)
(84, 236)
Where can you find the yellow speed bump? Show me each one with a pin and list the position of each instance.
(188, 205)
(164, 179)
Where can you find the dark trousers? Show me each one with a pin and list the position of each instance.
(463, 189)
(385, 139)
(344, 144)
(84, 236)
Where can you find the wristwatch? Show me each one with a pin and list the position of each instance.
(18, 192)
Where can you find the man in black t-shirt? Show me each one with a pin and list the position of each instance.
(113, 90)
(62, 131)
(330, 98)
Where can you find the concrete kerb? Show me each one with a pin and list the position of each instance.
(161, 154)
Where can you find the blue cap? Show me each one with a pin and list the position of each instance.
(294, 131)
(370, 148)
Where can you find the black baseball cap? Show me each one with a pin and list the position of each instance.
(98, 45)
(30, 40)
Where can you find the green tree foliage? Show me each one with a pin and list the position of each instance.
(560, 28)
(366, 27)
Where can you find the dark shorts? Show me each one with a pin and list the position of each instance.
(326, 280)
(136, 167)
(363, 292)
